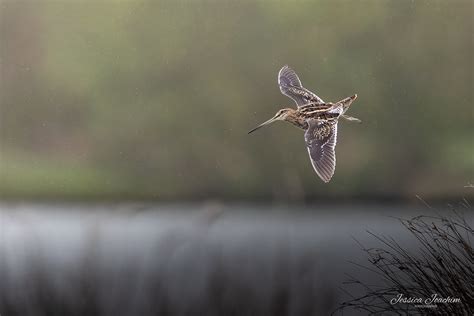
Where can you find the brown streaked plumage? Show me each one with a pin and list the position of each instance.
(317, 118)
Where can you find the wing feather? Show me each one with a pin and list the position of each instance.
(290, 85)
(321, 139)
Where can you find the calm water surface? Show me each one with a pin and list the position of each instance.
(186, 259)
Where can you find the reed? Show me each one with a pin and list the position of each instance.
(443, 265)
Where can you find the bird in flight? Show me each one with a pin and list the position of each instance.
(317, 118)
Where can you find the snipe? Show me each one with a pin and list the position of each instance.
(317, 118)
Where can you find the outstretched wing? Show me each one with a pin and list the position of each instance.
(290, 85)
(321, 139)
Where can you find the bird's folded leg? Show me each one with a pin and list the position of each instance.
(352, 119)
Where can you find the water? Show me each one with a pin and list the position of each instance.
(184, 259)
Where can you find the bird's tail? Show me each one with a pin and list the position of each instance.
(346, 103)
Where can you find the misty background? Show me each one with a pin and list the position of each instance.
(153, 99)
(146, 105)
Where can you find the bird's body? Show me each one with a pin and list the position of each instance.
(317, 118)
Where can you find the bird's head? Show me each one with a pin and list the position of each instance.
(281, 115)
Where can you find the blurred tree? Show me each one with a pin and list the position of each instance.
(153, 99)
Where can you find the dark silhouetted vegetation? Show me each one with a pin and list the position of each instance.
(443, 265)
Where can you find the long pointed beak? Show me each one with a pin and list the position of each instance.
(263, 124)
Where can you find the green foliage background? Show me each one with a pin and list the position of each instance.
(134, 99)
